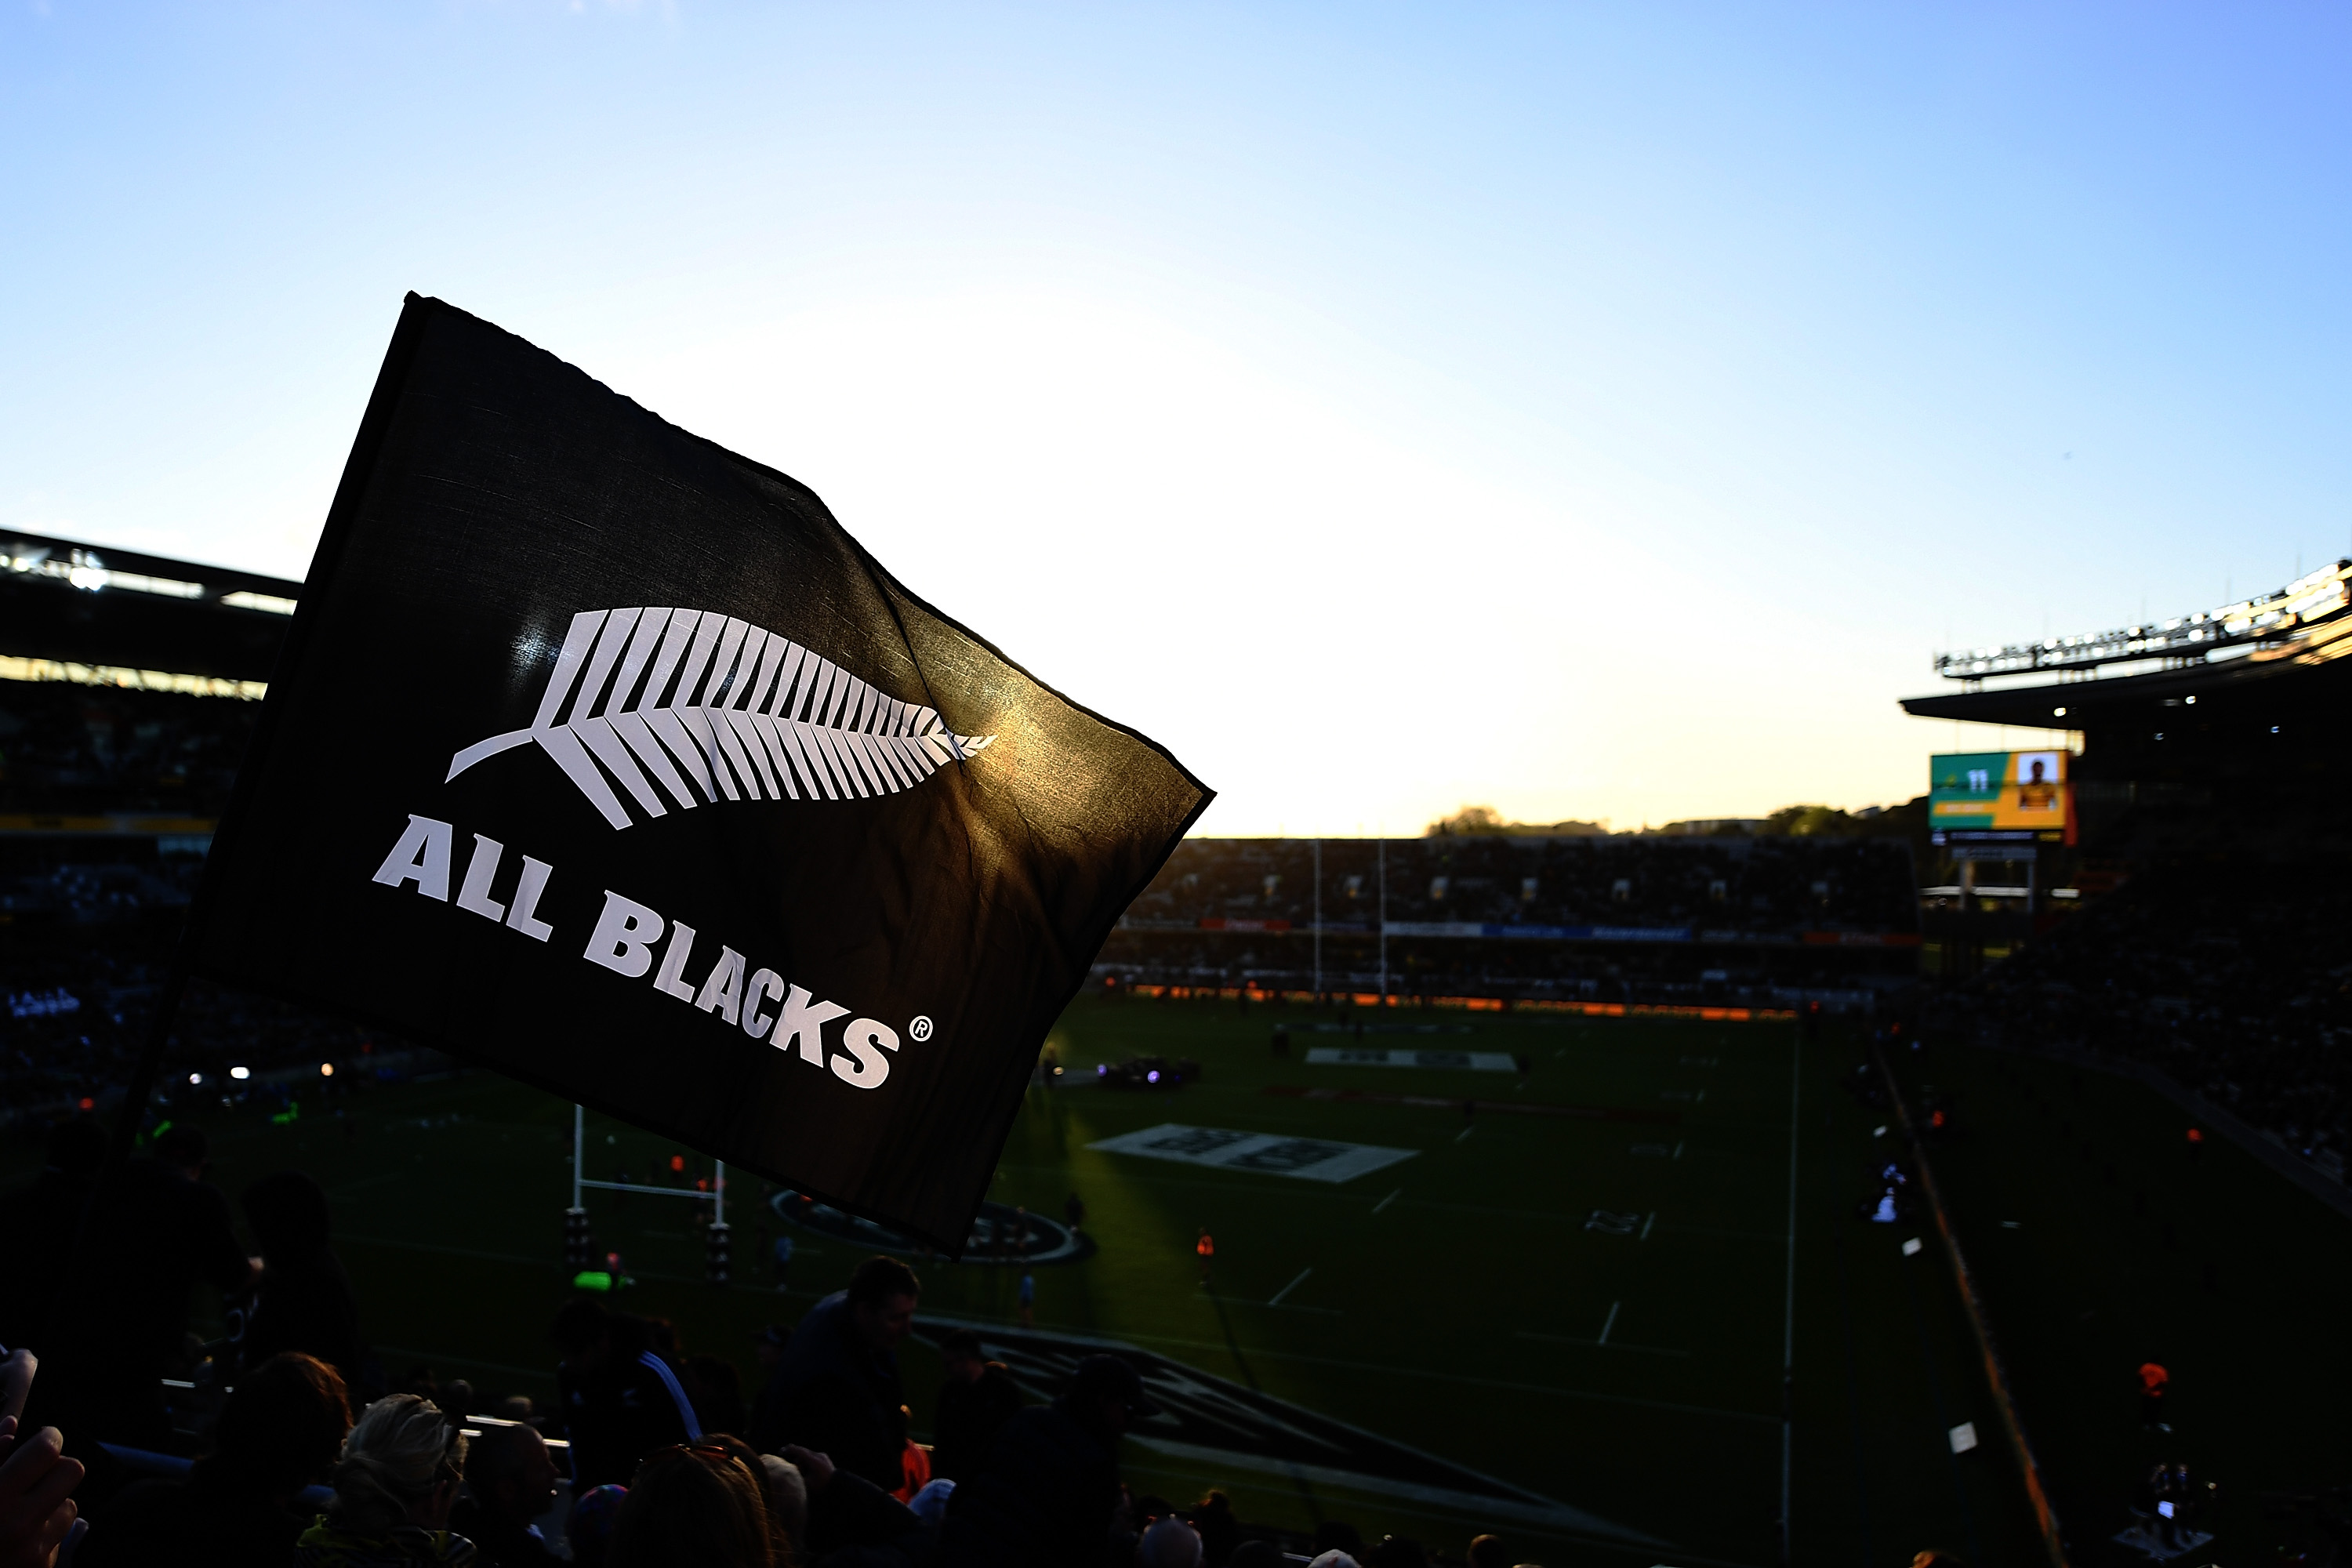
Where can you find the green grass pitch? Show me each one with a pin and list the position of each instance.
(1455, 1301)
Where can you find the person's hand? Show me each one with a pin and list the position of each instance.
(37, 1510)
(816, 1469)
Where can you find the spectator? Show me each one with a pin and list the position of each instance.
(1220, 1531)
(281, 1431)
(622, 1400)
(835, 1387)
(848, 1512)
(718, 1392)
(37, 1222)
(1488, 1552)
(303, 1302)
(589, 1530)
(122, 1326)
(1045, 1497)
(788, 1503)
(394, 1489)
(976, 1397)
(1397, 1551)
(1169, 1543)
(694, 1508)
(512, 1481)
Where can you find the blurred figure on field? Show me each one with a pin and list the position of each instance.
(976, 1397)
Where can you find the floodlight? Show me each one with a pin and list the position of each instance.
(240, 1074)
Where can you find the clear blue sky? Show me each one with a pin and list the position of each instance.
(1594, 411)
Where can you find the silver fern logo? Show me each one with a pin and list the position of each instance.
(688, 708)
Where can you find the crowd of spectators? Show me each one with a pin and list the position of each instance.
(1753, 921)
(71, 748)
(2237, 986)
(304, 1462)
(1762, 885)
(77, 1013)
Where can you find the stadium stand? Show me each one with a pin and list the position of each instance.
(1764, 921)
(2209, 799)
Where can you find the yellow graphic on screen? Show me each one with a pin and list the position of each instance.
(1999, 790)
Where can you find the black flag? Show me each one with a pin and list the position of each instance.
(603, 756)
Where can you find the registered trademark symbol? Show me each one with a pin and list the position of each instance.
(922, 1028)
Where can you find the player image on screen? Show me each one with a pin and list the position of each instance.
(2037, 781)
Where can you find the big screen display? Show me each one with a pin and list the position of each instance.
(2002, 792)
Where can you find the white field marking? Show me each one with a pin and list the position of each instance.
(2012, 1224)
(1647, 1223)
(1388, 1200)
(1610, 1324)
(1596, 1345)
(1678, 1151)
(1460, 1135)
(1293, 1285)
(1701, 1097)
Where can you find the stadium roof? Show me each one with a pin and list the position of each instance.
(67, 603)
(2235, 652)
(2276, 674)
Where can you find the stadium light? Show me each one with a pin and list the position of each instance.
(326, 1069)
(196, 1077)
(240, 1074)
(2274, 617)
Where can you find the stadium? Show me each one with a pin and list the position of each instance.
(1716, 1195)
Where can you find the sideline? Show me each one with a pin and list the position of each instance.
(1995, 1372)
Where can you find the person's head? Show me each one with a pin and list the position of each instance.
(288, 1214)
(1107, 1394)
(510, 1475)
(962, 1355)
(1169, 1543)
(693, 1507)
(1488, 1552)
(787, 1491)
(1934, 1559)
(767, 1344)
(401, 1466)
(185, 1149)
(580, 1331)
(77, 1148)
(882, 1296)
(1335, 1558)
(283, 1425)
(590, 1528)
